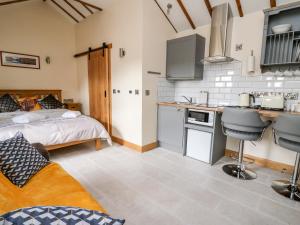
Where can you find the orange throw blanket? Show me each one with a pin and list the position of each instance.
(52, 186)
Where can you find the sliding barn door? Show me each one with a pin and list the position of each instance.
(100, 86)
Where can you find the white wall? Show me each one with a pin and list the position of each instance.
(121, 25)
(34, 28)
(156, 30)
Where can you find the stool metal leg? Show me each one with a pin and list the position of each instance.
(289, 189)
(239, 170)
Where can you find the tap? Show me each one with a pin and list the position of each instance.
(188, 99)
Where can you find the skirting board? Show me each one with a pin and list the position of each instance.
(263, 162)
(135, 147)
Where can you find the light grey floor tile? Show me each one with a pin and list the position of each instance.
(164, 188)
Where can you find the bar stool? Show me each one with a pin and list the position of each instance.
(245, 125)
(287, 135)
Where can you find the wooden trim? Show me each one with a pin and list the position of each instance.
(12, 2)
(98, 144)
(166, 16)
(138, 148)
(30, 93)
(88, 4)
(187, 15)
(109, 46)
(239, 6)
(263, 162)
(208, 6)
(149, 147)
(74, 8)
(109, 90)
(87, 8)
(273, 3)
(65, 11)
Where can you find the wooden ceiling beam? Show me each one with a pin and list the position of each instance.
(74, 8)
(273, 3)
(239, 6)
(166, 16)
(87, 8)
(64, 10)
(208, 6)
(12, 2)
(187, 15)
(88, 4)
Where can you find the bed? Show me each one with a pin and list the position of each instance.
(53, 131)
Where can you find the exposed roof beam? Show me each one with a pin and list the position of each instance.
(65, 11)
(12, 2)
(87, 8)
(74, 8)
(88, 4)
(208, 6)
(273, 3)
(239, 6)
(186, 14)
(166, 16)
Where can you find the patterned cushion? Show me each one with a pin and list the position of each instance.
(29, 103)
(8, 104)
(19, 160)
(50, 102)
(48, 215)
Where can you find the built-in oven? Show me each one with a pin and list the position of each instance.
(201, 117)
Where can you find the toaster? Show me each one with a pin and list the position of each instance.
(273, 102)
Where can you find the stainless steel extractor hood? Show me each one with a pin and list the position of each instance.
(221, 33)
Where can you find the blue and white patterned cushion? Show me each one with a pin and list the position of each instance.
(50, 102)
(51, 215)
(19, 160)
(8, 104)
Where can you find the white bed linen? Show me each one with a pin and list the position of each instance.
(54, 129)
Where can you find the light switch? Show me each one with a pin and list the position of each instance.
(130, 91)
(114, 91)
(147, 92)
(137, 92)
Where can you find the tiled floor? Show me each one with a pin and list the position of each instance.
(163, 188)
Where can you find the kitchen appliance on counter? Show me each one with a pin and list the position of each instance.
(201, 117)
(273, 102)
(205, 140)
(245, 99)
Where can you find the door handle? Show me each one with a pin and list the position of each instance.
(105, 94)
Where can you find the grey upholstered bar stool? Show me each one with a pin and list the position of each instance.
(287, 135)
(245, 125)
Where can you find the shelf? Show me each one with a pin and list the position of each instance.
(282, 64)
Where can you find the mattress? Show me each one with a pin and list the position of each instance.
(54, 129)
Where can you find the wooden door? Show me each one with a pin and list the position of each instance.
(100, 86)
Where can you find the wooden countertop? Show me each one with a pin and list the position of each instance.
(264, 113)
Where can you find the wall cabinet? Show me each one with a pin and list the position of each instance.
(281, 51)
(184, 56)
(171, 128)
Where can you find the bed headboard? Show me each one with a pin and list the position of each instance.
(31, 93)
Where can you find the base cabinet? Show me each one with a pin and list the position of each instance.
(171, 128)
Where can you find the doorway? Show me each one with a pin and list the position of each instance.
(99, 77)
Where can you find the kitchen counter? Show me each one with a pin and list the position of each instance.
(264, 113)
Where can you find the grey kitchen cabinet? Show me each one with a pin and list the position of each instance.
(184, 58)
(171, 128)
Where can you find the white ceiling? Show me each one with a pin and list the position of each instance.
(199, 13)
(100, 3)
(196, 8)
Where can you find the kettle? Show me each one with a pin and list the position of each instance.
(245, 99)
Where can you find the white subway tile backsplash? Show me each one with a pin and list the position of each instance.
(224, 83)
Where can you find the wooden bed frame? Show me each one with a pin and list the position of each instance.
(41, 93)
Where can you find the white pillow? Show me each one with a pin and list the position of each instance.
(71, 114)
(28, 118)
